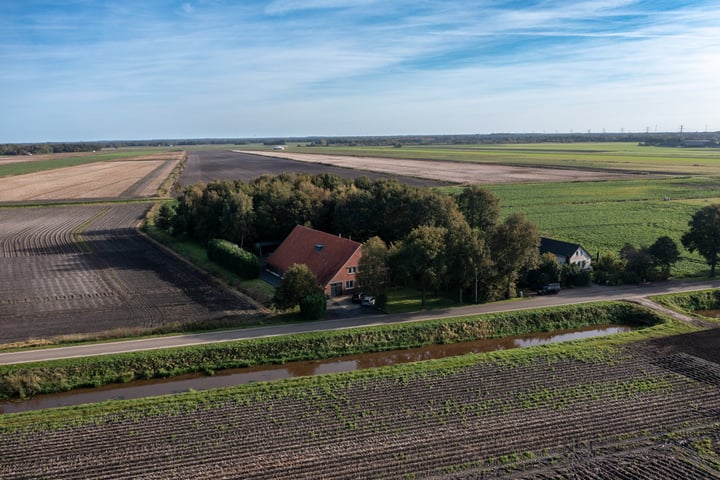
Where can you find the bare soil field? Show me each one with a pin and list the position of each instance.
(451, 172)
(206, 166)
(645, 415)
(84, 270)
(138, 177)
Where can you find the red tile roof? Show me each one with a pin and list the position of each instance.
(324, 254)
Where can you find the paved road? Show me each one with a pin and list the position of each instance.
(566, 297)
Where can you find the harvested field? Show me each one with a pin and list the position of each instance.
(84, 270)
(206, 166)
(451, 172)
(137, 177)
(633, 414)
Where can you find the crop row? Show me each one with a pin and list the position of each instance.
(83, 269)
(481, 415)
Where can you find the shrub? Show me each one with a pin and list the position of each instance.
(234, 258)
(312, 307)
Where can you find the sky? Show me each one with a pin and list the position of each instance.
(83, 70)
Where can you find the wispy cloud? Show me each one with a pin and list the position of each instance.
(353, 66)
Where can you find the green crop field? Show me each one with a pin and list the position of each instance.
(626, 157)
(603, 216)
(33, 166)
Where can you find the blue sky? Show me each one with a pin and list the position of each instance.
(139, 69)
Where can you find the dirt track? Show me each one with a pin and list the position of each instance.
(453, 172)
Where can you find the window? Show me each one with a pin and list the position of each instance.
(352, 270)
(350, 284)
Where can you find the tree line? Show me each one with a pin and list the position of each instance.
(413, 236)
(416, 237)
(40, 148)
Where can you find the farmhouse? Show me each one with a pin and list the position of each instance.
(332, 259)
(566, 252)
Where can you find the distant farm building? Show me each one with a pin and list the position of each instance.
(279, 147)
(566, 252)
(332, 259)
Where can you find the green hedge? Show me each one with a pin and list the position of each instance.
(22, 380)
(234, 258)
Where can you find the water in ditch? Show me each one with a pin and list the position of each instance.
(239, 376)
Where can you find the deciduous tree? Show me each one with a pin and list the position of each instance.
(480, 207)
(297, 283)
(514, 248)
(421, 258)
(665, 254)
(374, 272)
(704, 235)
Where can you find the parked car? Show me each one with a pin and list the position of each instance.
(550, 289)
(368, 301)
(358, 297)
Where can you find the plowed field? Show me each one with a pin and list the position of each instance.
(642, 415)
(447, 171)
(206, 166)
(84, 269)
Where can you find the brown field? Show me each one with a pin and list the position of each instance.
(209, 165)
(651, 412)
(85, 270)
(453, 172)
(138, 177)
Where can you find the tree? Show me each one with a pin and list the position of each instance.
(466, 257)
(421, 258)
(547, 271)
(514, 248)
(664, 253)
(373, 271)
(608, 269)
(480, 207)
(638, 263)
(313, 307)
(704, 235)
(297, 283)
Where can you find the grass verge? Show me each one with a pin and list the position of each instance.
(22, 380)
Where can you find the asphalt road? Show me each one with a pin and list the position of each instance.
(566, 297)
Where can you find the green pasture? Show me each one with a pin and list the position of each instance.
(33, 166)
(621, 157)
(603, 216)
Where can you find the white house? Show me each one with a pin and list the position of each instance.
(566, 252)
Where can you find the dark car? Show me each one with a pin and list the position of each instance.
(550, 289)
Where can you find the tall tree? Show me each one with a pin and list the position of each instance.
(704, 235)
(480, 207)
(665, 254)
(514, 248)
(466, 257)
(374, 273)
(421, 258)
